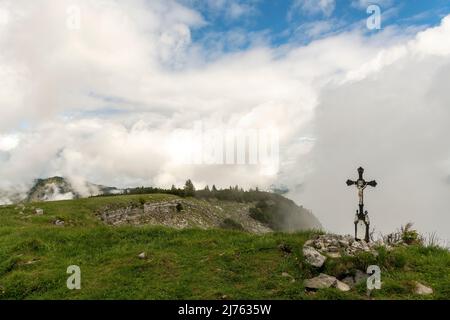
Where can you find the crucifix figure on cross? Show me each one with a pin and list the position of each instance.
(362, 222)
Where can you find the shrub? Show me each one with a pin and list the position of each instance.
(231, 225)
(409, 235)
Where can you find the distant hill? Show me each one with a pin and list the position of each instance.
(59, 188)
(269, 209)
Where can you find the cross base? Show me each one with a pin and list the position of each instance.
(362, 222)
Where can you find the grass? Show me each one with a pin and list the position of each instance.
(182, 264)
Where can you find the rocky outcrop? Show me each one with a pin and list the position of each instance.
(183, 213)
(335, 246)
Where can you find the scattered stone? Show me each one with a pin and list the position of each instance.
(349, 280)
(224, 297)
(333, 249)
(39, 212)
(322, 281)
(142, 255)
(59, 223)
(330, 245)
(334, 255)
(360, 277)
(342, 286)
(313, 257)
(343, 243)
(422, 289)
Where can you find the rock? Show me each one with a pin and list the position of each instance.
(39, 212)
(313, 257)
(344, 243)
(59, 223)
(356, 245)
(360, 277)
(349, 281)
(309, 243)
(333, 249)
(342, 286)
(31, 262)
(422, 289)
(142, 255)
(319, 244)
(322, 281)
(334, 255)
(287, 275)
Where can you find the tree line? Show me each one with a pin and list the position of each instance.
(235, 193)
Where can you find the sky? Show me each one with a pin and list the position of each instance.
(113, 92)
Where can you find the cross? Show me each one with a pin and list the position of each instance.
(362, 215)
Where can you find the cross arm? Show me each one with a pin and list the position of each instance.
(372, 183)
(350, 182)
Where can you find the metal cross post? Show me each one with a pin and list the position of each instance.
(362, 215)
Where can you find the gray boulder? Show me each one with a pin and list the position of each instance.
(324, 281)
(313, 257)
(422, 289)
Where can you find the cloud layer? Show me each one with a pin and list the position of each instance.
(102, 102)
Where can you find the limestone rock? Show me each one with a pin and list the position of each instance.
(313, 257)
(334, 255)
(331, 244)
(349, 280)
(59, 223)
(422, 289)
(142, 255)
(342, 286)
(39, 212)
(322, 281)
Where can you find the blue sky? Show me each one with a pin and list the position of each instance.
(286, 21)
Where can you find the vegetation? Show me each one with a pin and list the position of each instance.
(182, 264)
(230, 224)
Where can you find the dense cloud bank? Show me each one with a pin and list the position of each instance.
(102, 103)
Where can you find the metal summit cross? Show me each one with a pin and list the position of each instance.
(362, 222)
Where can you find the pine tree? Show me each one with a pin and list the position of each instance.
(189, 189)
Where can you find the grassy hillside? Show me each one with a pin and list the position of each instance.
(181, 264)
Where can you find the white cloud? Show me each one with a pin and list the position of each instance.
(363, 4)
(313, 7)
(101, 104)
(8, 142)
(230, 9)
